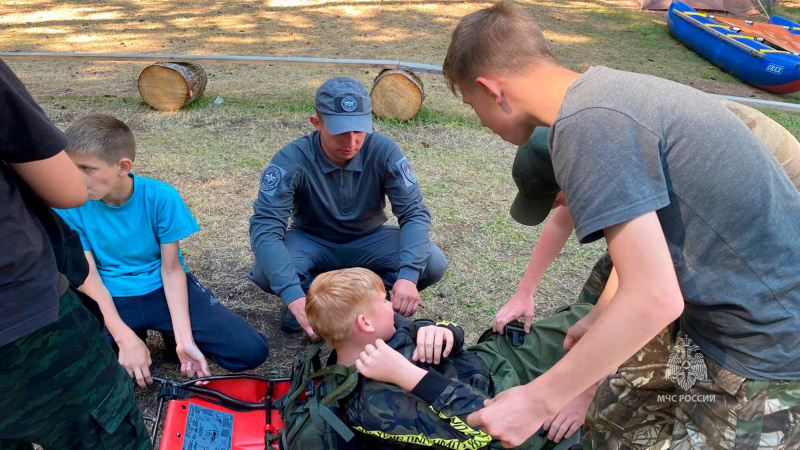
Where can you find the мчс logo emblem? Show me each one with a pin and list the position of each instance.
(408, 171)
(349, 103)
(686, 365)
(270, 178)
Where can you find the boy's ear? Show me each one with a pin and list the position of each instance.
(364, 324)
(492, 88)
(125, 166)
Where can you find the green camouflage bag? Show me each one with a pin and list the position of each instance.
(311, 409)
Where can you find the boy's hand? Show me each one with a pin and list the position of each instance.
(430, 341)
(134, 356)
(576, 332)
(518, 306)
(512, 416)
(405, 297)
(192, 360)
(570, 418)
(383, 363)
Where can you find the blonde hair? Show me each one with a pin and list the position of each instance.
(336, 298)
(502, 39)
(103, 136)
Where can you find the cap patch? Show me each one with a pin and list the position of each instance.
(271, 178)
(349, 103)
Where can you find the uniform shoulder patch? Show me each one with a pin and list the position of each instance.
(271, 178)
(404, 166)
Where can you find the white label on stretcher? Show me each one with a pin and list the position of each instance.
(207, 429)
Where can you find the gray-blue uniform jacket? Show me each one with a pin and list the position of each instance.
(336, 204)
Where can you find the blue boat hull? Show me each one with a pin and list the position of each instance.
(755, 63)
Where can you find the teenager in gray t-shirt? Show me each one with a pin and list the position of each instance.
(729, 212)
(701, 223)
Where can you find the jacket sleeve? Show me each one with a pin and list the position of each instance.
(271, 212)
(405, 196)
(440, 419)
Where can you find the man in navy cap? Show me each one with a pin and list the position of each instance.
(333, 183)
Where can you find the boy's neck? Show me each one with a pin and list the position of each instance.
(543, 90)
(121, 192)
(348, 353)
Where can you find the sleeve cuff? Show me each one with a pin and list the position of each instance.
(430, 387)
(292, 293)
(408, 273)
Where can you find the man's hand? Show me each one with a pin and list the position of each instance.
(512, 416)
(134, 356)
(192, 360)
(576, 331)
(298, 308)
(517, 306)
(431, 341)
(383, 363)
(405, 297)
(570, 418)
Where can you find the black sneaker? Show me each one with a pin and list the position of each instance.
(170, 354)
(288, 323)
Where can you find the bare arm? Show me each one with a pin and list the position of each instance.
(55, 180)
(133, 353)
(554, 235)
(579, 329)
(648, 299)
(174, 278)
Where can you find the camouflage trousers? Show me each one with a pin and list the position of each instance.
(62, 388)
(670, 396)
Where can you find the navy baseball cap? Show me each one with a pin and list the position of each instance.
(535, 179)
(345, 106)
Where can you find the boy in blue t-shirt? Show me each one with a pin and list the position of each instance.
(131, 228)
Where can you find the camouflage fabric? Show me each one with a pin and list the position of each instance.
(670, 396)
(412, 421)
(597, 280)
(775, 137)
(62, 388)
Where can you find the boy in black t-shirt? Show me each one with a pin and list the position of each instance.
(61, 384)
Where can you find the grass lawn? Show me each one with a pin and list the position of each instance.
(213, 154)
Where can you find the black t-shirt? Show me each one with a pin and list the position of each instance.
(30, 285)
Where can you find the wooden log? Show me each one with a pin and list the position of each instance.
(397, 94)
(775, 137)
(169, 86)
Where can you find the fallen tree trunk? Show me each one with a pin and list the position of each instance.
(170, 86)
(397, 94)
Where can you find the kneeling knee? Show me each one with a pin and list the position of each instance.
(435, 270)
(250, 355)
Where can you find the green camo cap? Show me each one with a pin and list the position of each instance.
(535, 179)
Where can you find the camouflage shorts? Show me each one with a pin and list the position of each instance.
(62, 388)
(670, 396)
(597, 280)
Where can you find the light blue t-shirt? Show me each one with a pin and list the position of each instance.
(126, 239)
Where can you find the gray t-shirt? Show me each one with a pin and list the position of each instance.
(625, 144)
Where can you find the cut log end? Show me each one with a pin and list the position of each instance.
(170, 86)
(397, 94)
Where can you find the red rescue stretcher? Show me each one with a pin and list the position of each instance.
(233, 412)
